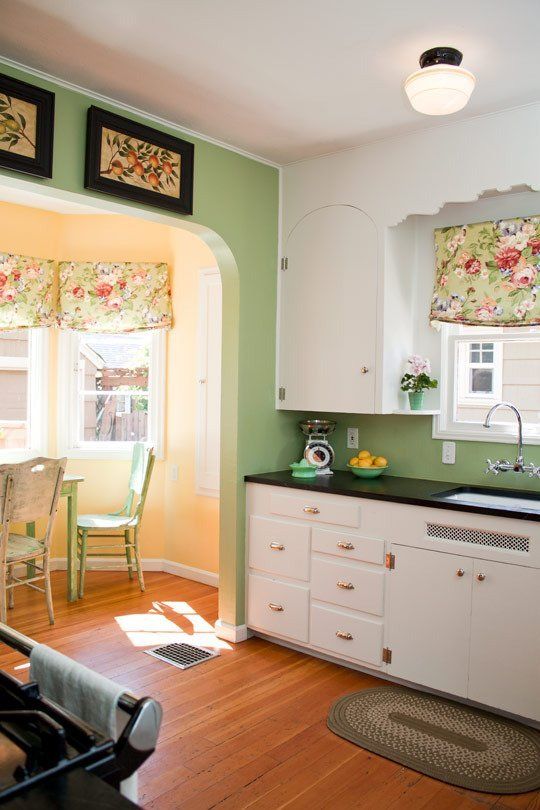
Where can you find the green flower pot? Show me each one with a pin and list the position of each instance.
(416, 400)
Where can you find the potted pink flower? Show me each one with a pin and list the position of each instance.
(417, 380)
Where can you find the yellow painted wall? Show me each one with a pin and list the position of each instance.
(179, 525)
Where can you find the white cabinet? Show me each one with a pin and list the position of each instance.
(505, 637)
(428, 618)
(328, 313)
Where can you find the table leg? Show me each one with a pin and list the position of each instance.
(30, 568)
(72, 543)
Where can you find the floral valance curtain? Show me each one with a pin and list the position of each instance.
(26, 292)
(488, 273)
(114, 297)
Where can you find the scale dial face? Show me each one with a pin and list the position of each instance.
(319, 453)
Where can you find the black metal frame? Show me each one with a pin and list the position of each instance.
(42, 164)
(97, 119)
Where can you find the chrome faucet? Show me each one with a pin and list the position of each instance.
(503, 465)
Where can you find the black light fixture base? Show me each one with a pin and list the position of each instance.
(443, 55)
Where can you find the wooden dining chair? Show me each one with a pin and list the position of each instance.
(124, 523)
(28, 491)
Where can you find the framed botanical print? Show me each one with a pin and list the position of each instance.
(139, 163)
(26, 127)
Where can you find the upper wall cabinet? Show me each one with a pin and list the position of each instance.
(328, 313)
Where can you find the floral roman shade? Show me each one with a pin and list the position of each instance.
(26, 292)
(114, 297)
(488, 274)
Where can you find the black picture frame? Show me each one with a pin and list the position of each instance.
(99, 119)
(41, 164)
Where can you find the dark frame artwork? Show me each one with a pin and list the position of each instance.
(26, 127)
(137, 162)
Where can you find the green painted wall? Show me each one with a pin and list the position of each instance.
(236, 200)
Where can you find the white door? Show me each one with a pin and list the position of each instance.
(328, 313)
(505, 638)
(428, 618)
(209, 382)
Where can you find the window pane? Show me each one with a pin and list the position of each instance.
(114, 362)
(487, 357)
(14, 344)
(111, 418)
(474, 356)
(13, 409)
(481, 380)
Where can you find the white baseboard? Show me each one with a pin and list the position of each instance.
(148, 564)
(231, 632)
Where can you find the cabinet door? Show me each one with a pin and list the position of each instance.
(505, 638)
(328, 313)
(428, 618)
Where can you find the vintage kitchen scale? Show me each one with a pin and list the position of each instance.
(318, 450)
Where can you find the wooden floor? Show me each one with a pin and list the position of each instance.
(247, 729)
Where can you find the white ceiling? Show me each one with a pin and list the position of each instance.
(283, 79)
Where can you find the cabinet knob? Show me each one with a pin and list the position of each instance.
(274, 607)
(343, 634)
(311, 510)
(480, 577)
(277, 546)
(364, 370)
(346, 545)
(460, 572)
(347, 586)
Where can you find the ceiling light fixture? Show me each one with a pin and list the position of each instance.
(441, 86)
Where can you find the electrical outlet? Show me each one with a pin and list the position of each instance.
(448, 452)
(174, 472)
(352, 438)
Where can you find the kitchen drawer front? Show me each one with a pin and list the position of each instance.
(318, 508)
(365, 591)
(279, 547)
(348, 546)
(278, 607)
(342, 634)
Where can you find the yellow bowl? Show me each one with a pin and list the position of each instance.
(367, 472)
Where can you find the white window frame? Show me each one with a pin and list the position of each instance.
(37, 365)
(444, 424)
(69, 442)
(467, 397)
(205, 483)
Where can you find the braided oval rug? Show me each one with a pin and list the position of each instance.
(448, 741)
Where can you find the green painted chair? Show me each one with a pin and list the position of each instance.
(124, 523)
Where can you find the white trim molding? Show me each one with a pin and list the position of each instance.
(231, 632)
(148, 564)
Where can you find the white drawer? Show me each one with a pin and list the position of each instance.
(279, 547)
(365, 591)
(348, 546)
(319, 508)
(278, 607)
(342, 634)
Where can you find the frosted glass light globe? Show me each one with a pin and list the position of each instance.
(439, 89)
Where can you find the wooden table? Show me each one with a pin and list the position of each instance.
(70, 491)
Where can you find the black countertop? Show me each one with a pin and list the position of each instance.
(415, 491)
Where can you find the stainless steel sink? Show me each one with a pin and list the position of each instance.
(491, 498)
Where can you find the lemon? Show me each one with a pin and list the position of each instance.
(364, 462)
(380, 461)
(353, 462)
(364, 454)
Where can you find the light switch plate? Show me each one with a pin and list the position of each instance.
(174, 472)
(352, 438)
(448, 452)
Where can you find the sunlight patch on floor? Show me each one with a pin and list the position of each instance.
(168, 622)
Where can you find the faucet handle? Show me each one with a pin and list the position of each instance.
(492, 467)
(534, 471)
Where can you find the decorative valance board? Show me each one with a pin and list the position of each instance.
(487, 273)
(91, 296)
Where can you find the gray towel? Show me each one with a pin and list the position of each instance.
(83, 692)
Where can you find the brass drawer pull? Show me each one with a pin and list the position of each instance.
(277, 546)
(311, 510)
(347, 586)
(480, 577)
(460, 572)
(343, 634)
(276, 608)
(346, 545)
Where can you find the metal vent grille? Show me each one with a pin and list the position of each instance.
(182, 656)
(478, 537)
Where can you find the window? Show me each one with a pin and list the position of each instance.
(481, 367)
(23, 400)
(112, 387)
(209, 383)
